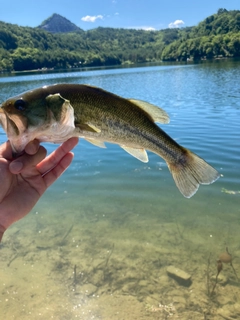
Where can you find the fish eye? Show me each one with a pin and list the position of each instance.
(20, 105)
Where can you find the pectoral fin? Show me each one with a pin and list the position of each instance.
(97, 143)
(96, 129)
(87, 127)
(140, 154)
(155, 113)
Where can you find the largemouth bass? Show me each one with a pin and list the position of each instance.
(57, 112)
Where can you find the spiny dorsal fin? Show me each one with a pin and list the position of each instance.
(156, 114)
(140, 154)
(97, 143)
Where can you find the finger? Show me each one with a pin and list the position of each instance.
(6, 150)
(58, 170)
(25, 162)
(32, 147)
(55, 157)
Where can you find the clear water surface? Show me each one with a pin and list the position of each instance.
(99, 242)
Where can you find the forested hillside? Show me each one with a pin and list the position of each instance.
(24, 48)
(218, 35)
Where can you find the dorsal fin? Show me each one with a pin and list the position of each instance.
(155, 113)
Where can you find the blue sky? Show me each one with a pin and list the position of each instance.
(89, 14)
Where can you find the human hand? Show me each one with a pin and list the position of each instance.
(25, 179)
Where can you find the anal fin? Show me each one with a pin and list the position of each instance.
(140, 154)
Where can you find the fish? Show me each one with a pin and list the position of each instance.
(54, 113)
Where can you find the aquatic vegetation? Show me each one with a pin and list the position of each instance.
(226, 257)
(219, 269)
(230, 191)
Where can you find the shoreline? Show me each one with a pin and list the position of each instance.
(123, 65)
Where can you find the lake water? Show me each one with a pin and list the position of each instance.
(99, 242)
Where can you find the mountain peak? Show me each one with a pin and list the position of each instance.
(58, 24)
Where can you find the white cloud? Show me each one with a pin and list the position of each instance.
(176, 24)
(92, 18)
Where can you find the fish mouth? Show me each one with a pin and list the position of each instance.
(12, 124)
(15, 127)
(3, 119)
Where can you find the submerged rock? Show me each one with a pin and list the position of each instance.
(182, 277)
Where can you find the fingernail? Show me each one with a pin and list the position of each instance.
(16, 166)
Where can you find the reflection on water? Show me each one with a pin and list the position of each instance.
(99, 242)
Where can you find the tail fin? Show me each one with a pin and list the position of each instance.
(190, 172)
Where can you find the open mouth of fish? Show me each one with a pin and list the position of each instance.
(19, 134)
